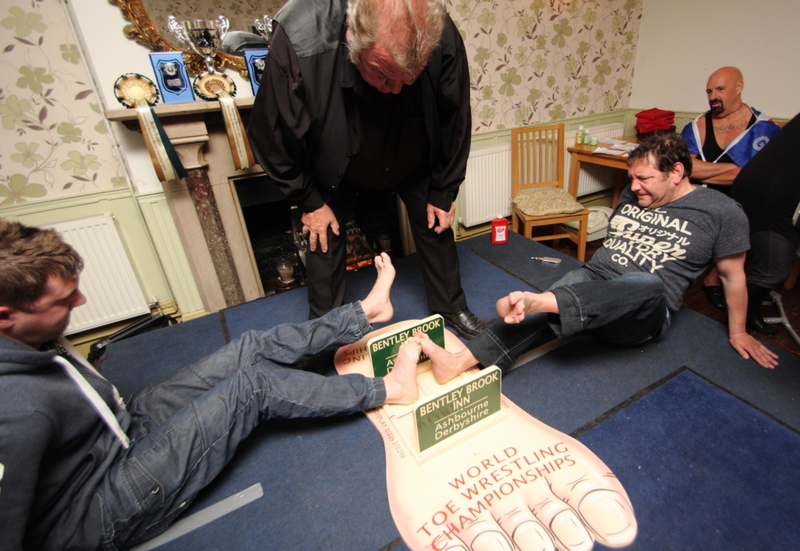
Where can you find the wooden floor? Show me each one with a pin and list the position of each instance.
(696, 299)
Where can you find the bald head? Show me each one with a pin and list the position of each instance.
(724, 91)
(728, 73)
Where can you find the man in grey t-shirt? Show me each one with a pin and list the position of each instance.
(662, 236)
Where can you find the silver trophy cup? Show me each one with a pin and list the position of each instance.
(264, 27)
(204, 36)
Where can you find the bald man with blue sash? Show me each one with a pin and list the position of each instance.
(721, 141)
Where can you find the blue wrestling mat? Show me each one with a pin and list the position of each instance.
(703, 469)
(697, 435)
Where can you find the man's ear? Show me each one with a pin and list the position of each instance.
(678, 172)
(6, 318)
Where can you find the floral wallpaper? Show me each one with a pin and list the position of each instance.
(53, 136)
(531, 61)
(535, 61)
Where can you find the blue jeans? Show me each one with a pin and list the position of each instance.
(627, 311)
(186, 428)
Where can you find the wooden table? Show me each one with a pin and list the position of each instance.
(585, 154)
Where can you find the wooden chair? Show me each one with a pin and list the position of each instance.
(537, 166)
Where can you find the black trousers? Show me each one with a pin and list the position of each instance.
(438, 254)
(773, 257)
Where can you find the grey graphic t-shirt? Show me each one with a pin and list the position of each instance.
(676, 241)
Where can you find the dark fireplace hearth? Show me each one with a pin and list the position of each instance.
(273, 226)
(268, 217)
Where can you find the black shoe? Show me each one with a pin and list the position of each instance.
(467, 324)
(716, 296)
(757, 323)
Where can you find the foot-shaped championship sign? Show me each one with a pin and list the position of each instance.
(467, 469)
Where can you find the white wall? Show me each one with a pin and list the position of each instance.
(682, 42)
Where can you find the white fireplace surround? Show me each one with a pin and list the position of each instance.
(198, 134)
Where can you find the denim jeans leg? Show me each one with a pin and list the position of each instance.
(285, 344)
(627, 310)
(502, 343)
(164, 469)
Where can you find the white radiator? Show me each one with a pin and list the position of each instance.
(112, 291)
(592, 177)
(486, 191)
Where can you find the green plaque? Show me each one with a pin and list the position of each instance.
(383, 349)
(458, 408)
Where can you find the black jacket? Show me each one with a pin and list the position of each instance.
(298, 126)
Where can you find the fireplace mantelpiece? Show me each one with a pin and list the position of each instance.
(204, 205)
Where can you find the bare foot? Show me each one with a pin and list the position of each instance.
(446, 365)
(401, 382)
(377, 305)
(512, 307)
(516, 305)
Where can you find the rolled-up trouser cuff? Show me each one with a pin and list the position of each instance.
(364, 325)
(378, 393)
(569, 321)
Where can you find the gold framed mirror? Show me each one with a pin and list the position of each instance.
(149, 25)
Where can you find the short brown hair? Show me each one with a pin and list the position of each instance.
(667, 149)
(28, 257)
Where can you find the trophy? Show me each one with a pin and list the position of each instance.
(205, 36)
(264, 27)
